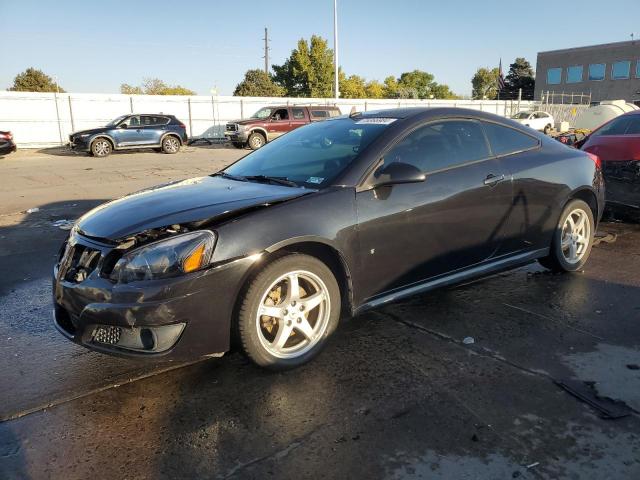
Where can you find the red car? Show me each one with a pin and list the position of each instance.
(617, 143)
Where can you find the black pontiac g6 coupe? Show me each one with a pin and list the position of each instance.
(329, 220)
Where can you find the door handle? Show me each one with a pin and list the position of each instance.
(492, 179)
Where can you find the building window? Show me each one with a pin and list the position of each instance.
(620, 70)
(638, 69)
(596, 71)
(574, 74)
(554, 76)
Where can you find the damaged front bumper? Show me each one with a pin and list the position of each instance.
(181, 318)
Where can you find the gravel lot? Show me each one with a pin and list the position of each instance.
(398, 393)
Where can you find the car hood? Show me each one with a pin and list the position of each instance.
(90, 131)
(249, 121)
(192, 200)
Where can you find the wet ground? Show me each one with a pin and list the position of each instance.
(399, 392)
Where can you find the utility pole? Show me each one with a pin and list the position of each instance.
(266, 50)
(336, 90)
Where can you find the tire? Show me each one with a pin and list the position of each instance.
(547, 129)
(170, 144)
(101, 147)
(256, 140)
(238, 144)
(570, 250)
(296, 331)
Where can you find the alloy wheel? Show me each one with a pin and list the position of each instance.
(101, 148)
(293, 314)
(171, 145)
(576, 235)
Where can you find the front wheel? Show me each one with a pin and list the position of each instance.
(101, 147)
(288, 312)
(170, 144)
(572, 240)
(256, 141)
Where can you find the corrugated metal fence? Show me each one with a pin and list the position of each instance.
(47, 119)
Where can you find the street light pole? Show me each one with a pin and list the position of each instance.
(336, 90)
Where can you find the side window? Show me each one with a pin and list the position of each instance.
(146, 120)
(334, 113)
(133, 121)
(280, 114)
(319, 114)
(617, 126)
(298, 113)
(505, 140)
(441, 145)
(634, 125)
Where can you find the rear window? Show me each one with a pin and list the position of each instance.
(617, 126)
(505, 140)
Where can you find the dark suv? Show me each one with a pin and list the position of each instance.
(164, 133)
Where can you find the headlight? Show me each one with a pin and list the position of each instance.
(241, 128)
(166, 258)
(84, 135)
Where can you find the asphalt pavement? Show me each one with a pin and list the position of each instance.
(464, 382)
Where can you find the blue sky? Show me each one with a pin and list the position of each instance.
(95, 46)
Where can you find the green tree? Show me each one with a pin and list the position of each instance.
(258, 83)
(390, 87)
(485, 83)
(155, 86)
(520, 76)
(352, 87)
(33, 80)
(440, 90)
(308, 72)
(374, 89)
(416, 81)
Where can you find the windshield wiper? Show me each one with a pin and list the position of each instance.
(279, 180)
(230, 177)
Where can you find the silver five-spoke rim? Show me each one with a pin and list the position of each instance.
(101, 147)
(171, 144)
(576, 234)
(293, 314)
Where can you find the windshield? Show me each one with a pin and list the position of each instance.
(116, 121)
(522, 115)
(312, 156)
(262, 113)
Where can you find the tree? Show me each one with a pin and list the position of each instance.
(390, 87)
(352, 87)
(520, 76)
(485, 83)
(33, 80)
(155, 86)
(258, 83)
(374, 89)
(308, 72)
(440, 90)
(417, 81)
(130, 89)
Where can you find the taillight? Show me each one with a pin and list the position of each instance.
(182, 125)
(596, 159)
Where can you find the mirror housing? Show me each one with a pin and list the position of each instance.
(396, 173)
(122, 125)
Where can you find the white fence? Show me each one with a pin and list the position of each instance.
(46, 119)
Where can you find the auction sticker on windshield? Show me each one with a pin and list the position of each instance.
(315, 180)
(376, 120)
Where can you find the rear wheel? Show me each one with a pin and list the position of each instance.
(170, 144)
(101, 147)
(572, 240)
(288, 312)
(256, 140)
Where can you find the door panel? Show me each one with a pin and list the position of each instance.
(152, 130)
(454, 219)
(131, 135)
(279, 123)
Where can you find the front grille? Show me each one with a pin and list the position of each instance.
(78, 262)
(107, 335)
(232, 127)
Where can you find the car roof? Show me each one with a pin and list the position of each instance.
(332, 107)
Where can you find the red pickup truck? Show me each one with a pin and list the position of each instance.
(271, 122)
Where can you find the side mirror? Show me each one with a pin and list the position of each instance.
(396, 173)
(122, 125)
